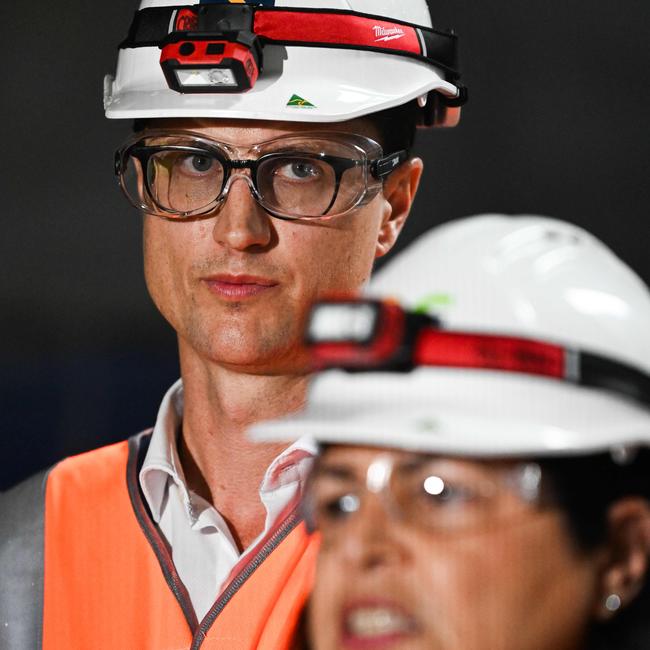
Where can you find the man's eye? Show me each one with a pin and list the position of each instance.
(298, 170)
(201, 163)
(193, 164)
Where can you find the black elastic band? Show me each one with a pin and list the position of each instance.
(149, 27)
(600, 372)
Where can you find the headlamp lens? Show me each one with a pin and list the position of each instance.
(342, 322)
(191, 77)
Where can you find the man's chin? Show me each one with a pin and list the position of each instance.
(281, 365)
(252, 354)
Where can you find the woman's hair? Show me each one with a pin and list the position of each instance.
(585, 488)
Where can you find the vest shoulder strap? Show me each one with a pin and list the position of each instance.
(21, 564)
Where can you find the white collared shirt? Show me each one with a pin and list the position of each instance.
(203, 549)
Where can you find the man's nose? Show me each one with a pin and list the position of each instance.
(241, 223)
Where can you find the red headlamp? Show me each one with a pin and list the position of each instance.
(373, 335)
(211, 52)
(216, 48)
(209, 66)
(362, 334)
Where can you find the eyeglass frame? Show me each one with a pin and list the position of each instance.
(379, 167)
(525, 477)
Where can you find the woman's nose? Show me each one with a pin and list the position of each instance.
(370, 539)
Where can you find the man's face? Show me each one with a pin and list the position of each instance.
(236, 286)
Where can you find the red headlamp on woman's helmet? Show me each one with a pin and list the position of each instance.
(378, 335)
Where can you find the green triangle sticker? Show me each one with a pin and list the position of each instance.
(299, 102)
(432, 301)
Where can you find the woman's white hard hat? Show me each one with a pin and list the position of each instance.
(525, 276)
(299, 84)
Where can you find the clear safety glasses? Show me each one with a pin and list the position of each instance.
(434, 494)
(306, 176)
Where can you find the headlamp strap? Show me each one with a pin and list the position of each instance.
(437, 347)
(399, 340)
(332, 28)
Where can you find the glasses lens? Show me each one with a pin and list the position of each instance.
(330, 502)
(172, 177)
(439, 495)
(131, 179)
(184, 181)
(298, 185)
(314, 181)
(447, 495)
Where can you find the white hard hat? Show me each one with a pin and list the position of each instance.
(320, 60)
(524, 275)
(531, 277)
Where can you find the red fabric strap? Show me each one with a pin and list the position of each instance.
(337, 29)
(440, 348)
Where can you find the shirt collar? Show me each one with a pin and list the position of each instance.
(291, 465)
(162, 463)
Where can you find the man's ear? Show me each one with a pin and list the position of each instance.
(626, 559)
(399, 191)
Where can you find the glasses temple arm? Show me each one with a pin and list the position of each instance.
(382, 167)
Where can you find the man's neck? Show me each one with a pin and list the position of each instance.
(219, 461)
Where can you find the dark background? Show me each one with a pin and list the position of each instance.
(556, 125)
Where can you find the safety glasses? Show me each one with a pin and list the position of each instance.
(434, 494)
(299, 176)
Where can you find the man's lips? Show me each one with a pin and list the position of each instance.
(238, 287)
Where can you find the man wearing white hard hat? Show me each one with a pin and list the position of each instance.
(483, 482)
(270, 159)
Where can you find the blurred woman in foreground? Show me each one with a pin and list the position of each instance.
(483, 485)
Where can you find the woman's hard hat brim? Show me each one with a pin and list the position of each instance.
(451, 411)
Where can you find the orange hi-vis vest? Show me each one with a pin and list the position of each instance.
(109, 582)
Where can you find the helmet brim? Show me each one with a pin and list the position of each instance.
(468, 413)
(335, 84)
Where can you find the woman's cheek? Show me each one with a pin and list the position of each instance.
(325, 602)
(471, 590)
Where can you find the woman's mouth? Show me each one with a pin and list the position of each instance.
(376, 625)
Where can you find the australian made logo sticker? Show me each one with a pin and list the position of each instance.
(297, 101)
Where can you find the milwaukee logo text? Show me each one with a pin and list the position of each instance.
(390, 34)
